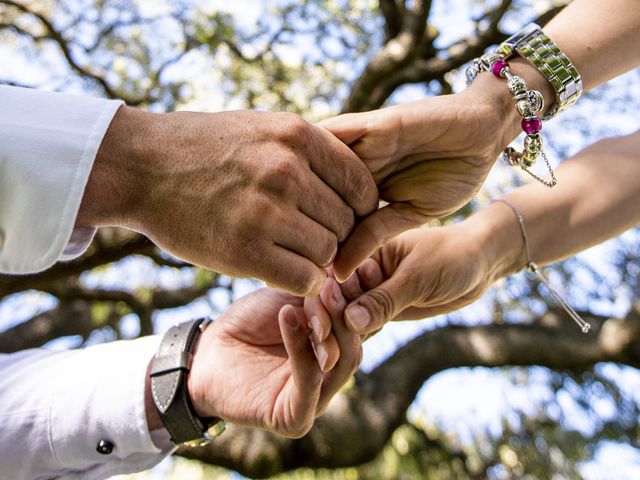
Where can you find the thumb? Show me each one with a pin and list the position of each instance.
(349, 127)
(373, 309)
(372, 233)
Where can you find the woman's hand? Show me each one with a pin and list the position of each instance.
(255, 365)
(430, 271)
(429, 158)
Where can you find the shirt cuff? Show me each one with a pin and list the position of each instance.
(48, 144)
(100, 397)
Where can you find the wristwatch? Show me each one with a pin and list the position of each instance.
(169, 370)
(534, 46)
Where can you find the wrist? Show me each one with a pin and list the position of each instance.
(497, 233)
(200, 380)
(120, 178)
(487, 88)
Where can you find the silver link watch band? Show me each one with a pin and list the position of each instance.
(556, 67)
(534, 46)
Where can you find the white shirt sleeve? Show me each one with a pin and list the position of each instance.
(48, 142)
(55, 407)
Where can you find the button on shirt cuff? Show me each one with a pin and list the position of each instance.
(113, 411)
(65, 405)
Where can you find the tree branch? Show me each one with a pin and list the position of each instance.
(65, 45)
(54, 34)
(396, 52)
(74, 315)
(70, 318)
(392, 13)
(110, 245)
(372, 409)
(430, 65)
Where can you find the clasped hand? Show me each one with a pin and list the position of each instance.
(270, 196)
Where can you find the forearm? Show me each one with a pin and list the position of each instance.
(597, 198)
(600, 38)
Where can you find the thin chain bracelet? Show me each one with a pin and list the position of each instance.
(528, 104)
(534, 268)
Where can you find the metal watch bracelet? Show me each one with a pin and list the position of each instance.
(534, 46)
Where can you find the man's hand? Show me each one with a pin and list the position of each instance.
(429, 158)
(255, 366)
(243, 193)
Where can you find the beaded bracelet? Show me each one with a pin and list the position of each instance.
(528, 104)
(538, 49)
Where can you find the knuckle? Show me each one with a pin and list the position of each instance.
(279, 175)
(346, 222)
(263, 211)
(293, 127)
(299, 430)
(362, 192)
(382, 303)
(306, 282)
(327, 249)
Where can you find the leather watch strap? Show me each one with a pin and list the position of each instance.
(169, 371)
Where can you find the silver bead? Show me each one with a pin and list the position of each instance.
(520, 96)
(516, 84)
(472, 73)
(524, 108)
(536, 101)
(532, 149)
(533, 144)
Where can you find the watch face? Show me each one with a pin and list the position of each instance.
(517, 37)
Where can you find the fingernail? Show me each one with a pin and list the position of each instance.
(322, 355)
(337, 294)
(292, 320)
(358, 317)
(330, 271)
(316, 328)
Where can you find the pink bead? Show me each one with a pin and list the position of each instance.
(498, 66)
(531, 125)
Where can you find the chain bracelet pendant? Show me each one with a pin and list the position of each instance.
(515, 159)
(535, 269)
(584, 326)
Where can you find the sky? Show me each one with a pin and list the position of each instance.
(463, 400)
